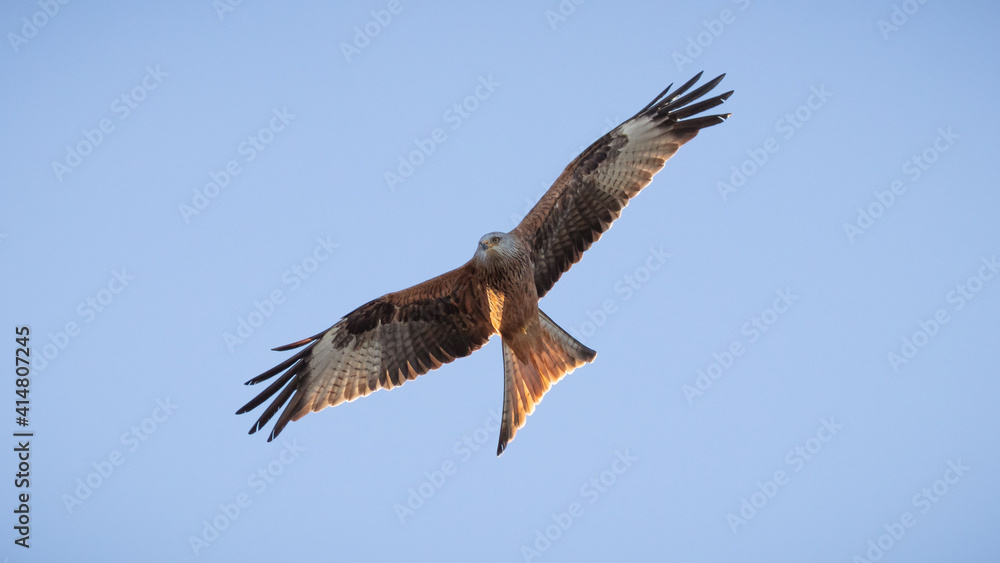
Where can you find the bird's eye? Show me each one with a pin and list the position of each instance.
(495, 240)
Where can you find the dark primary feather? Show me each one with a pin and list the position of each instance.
(591, 192)
(381, 344)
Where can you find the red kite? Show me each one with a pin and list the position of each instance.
(401, 335)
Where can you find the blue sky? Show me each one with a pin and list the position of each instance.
(796, 323)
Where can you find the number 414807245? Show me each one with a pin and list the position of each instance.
(23, 368)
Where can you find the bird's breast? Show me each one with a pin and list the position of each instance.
(511, 295)
(511, 313)
(495, 299)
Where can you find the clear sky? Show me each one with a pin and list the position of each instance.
(796, 323)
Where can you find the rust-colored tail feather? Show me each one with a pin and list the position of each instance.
(552, 353)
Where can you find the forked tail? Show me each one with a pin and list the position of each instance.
(551, 353)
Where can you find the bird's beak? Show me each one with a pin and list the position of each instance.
(482, 244)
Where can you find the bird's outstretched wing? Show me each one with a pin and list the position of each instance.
(592, 191)
(379, 345)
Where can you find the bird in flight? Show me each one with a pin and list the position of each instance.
(401, 335)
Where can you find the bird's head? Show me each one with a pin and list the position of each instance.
(495, 245)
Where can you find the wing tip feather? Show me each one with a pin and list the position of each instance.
(293, 345)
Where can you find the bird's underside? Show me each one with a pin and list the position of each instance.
(401, 335)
